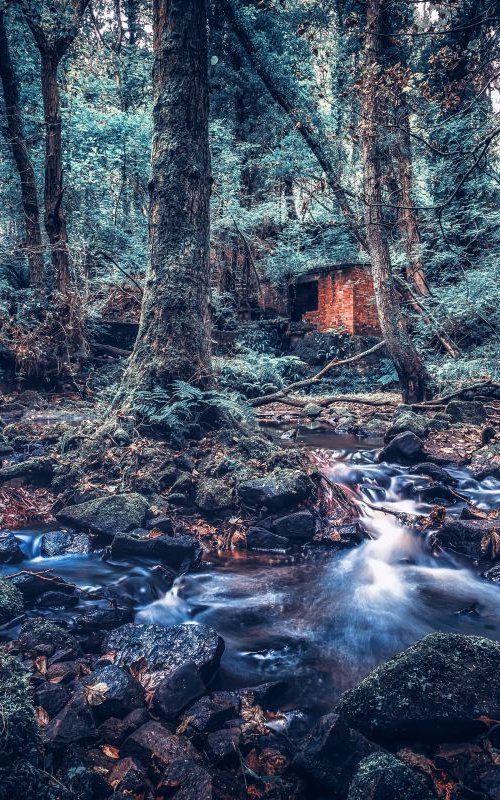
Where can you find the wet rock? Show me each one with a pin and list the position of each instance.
(165, 649)
(57, 600)
(154, 745)
(312, 410)
(330, 755)
(212, 711)
(64, 671)
(177, 691)
(466, 411)
(493, 574)
(161, 523)
(100, 619)
(214, 494)
(438, 689)
(106, 515)
(192, 781)
(112, 692)
(52, 697)
(276, 491)
(435, 493)
(74, 723)
(222, 745)
(381, 776)
(408, 421)
(10, 552)
(265, 695)
(262, 539)
(128, 776)
(404, 448)
(33, 584)
(175, 551)
(432, 471)
(57, 543)
(114, 730)
(299, 526)
(467, 537)
(11, 601)
(41, 636)
(486, 461)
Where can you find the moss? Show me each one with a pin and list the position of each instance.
(41, 631)
(382, 777)
(18, 728)
(11, 601)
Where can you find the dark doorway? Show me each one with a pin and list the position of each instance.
(303, 297)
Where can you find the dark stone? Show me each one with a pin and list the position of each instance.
(112, 692)
(438, 689)
(73, 723)
(175, 551)
(193, 781)
(486, 461)
(100, 619)
(168, 477)
(128, 776)
(38, 470)
(330, 755)
(261, 539)
(280, 489)
(433, 472)
(165, 649)
(214, 494)
(154, 744)
(161, 523)
(114, 730)
(408, 421)
(177, 691)
(437, 425)
(52, 697)
(10, 552)
(64, 671)
(179, 499)
(57, 543)
(493, 574)
(299, 526)
(464, 536)
(57, 600)
(221, 746)
(266, 694)
(381, 776)
(212, 711)
(405, 448)
(466, 411)
(107, 515)
(32, 584)
(39, 635)
(435, 493)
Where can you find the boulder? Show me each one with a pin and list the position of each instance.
(262, 539)
(433, 472)
(466, 411)
(112, 692)
(212, 711)
(469, 537)
(486, 461)
(103, 619)
(10, 552)
(213, 494)
(381, 776)
(408, 421)
(299, 526)
(177, 691)
(192, 781)
(438, 689)
(405, 448)
(74, 723)
(153, 745)
(165, 649)
(279, 490)
(11, 601)
(435, 493)
(175, 551)
(58, 543)
(107, 515)
(33, 584)
(222, 745)
(161, 523)
(312, 410)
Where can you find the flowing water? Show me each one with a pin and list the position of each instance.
(321, 620)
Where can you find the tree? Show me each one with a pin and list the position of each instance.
(174, 333)
(21, 156)
(54, 29)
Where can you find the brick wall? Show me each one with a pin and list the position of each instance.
(345, 302)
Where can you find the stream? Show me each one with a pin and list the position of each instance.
(323, 618)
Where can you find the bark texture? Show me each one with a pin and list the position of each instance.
(408, 363)
(174, 333)
(15, 134)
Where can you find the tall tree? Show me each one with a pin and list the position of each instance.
(15, 135)
(54, 29)
(174, 333)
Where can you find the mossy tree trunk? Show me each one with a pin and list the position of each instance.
(174, 333)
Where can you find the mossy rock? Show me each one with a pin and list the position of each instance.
(41, 631)
(381, 776)
(11, 601)
(19, 735)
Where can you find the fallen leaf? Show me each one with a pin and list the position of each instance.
(96, 695)
(42, 717)
(110, 751)
(41, 664)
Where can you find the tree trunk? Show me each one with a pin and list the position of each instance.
(408, 363)
(55, 219)
(174, 333)
(17, 142)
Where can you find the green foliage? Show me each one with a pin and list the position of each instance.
(252, 374)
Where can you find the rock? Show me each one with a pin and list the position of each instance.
(57, 543)
(103, 619)
(175, 551)
(486, 461)
(52, 697)
(153, 744)
(437, 425)
(165, 649)
(437, 689)
(192, 781)
(381, 776)
(177, 691)
(10, 552)
(265, 695)
(112, 692)
(276, 491)
(129, 777)
(57, 600)
(262, 539)
(330, 755)
(33, 584)
(37, 470)
(435, 493)
(408, 421)
(74, 723)
(312, 410)
(405, 448)
(221, 745)
(11, 601)
(432, 471)
(466, 411)
(214, 494)
(493, 574)
(161, 523)
(468, 537)
(212, 711)
(299, 526)
(107, 515)
(64, 671)
(39, 635)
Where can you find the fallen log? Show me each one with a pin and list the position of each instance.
(444, 399)
(277, 396)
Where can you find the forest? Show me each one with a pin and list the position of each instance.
(249, 399)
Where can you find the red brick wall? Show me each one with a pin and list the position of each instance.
(345, 302)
